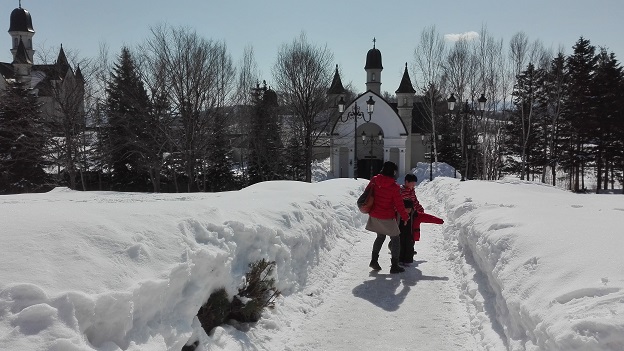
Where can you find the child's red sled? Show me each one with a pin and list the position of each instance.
(424, 218)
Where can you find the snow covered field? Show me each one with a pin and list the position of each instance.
(516, 266)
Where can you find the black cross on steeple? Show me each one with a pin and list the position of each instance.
(20, 4)
(374, 40)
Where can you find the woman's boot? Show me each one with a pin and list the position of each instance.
(374, 264)
(395, 246)
(395, 268)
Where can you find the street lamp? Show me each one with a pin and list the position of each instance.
(472, 148)
(429, 142)
(370, 139)
(355, 113)
(468, 110)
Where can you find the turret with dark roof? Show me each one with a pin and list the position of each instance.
(62, 64)
(79, 75)
(21, 56)
(406, 84)
(336, 86)
(21, 21)
(373, 59)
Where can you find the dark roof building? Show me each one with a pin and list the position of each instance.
(50, 82)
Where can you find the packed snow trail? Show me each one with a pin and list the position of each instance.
(366, 310)
(360, 309)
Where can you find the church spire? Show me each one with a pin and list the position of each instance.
(406, 84)
(336, 85)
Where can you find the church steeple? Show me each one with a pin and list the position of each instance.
(336, 91)
(336, 85)
(406, 84)
(62, 65)
(21, 28)
(373, 69)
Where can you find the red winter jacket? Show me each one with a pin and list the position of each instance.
(388, 199)
(424, 218)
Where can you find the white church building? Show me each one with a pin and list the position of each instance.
(371, 130)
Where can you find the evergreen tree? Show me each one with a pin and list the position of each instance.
(22, 143)
(265, 148)
(127, 134)
(295, 159)
(553, 101)
(526, 132)
(220, 165)
(580, 114)
(608, 83)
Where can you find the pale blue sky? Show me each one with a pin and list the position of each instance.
(346, 27)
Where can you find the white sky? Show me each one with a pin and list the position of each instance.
(347, 27)
(517, 265)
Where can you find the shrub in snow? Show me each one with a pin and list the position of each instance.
(215, 311)
(258, 292)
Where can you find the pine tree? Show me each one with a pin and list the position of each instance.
(127, 135)
(580, 113)
(295, 159)
(22, 143)
(608, 94)
(526, 132)
(265, 147)
(220, 175)
(553, 100)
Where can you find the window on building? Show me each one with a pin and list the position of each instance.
(374, 78)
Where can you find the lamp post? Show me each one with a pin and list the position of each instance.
(355, 113)
(429, 142)
(370, 139)
(455, 146)
(471, 151)
(467, 110)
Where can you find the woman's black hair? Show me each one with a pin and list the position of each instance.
(410, 177)
(389, 169)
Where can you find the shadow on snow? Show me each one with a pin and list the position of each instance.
(388, 291)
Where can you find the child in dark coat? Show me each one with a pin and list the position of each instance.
(412, 205)
(406, 237)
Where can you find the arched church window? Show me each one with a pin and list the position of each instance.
(374, 77)
(404, 101)
(14, 43)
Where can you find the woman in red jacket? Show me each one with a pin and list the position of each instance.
(382, 218)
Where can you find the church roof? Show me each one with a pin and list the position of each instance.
(373, 58)
(406, 84)
(21, 21)
(61, 63)
(79, 75)
(336, 86)
(6, 70)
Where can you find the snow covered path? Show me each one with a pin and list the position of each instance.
(365, 310)
(351, 307)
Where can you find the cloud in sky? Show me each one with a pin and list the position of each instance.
(472, 35)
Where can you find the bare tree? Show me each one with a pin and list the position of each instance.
(302, 73)
(197, 78)
(428, 60)
(518, 51)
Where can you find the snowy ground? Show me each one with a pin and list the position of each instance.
(516, 266)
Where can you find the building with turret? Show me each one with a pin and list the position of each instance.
(370, 130)
(58, 86)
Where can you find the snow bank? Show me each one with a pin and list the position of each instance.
(128, 271)
(542, 265)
